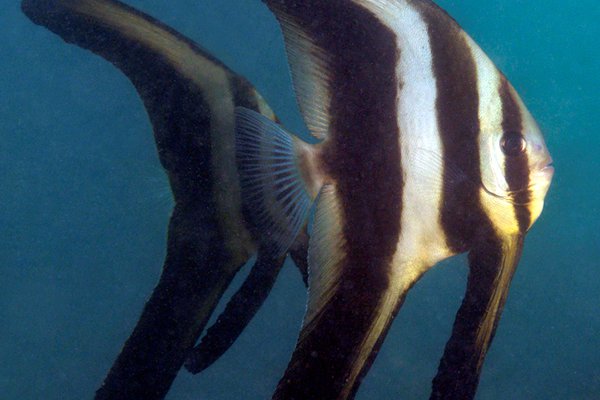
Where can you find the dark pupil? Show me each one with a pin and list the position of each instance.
(512, 144)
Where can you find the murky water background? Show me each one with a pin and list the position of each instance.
(84, 206)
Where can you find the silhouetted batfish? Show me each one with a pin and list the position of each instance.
(427, 151)
(190, 98)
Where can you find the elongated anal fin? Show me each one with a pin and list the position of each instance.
(492, 266)
(240, 310)
(274, 195)
(348, 314)
(299, 253)
(244, 304)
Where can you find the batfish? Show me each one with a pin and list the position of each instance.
(426, 151)
(190, 98)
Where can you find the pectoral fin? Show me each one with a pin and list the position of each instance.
(492, 265)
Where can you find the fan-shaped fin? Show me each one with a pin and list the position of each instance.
(275, 199)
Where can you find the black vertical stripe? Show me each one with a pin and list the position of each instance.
(516, 167)
(457, 107)
(362, 156)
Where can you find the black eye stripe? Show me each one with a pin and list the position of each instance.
(513, 144)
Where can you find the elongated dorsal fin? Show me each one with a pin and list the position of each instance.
(310, 66)
(187, 92)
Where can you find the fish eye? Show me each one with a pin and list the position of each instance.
(513, 144)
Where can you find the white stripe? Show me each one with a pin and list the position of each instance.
(491, 158)
(422, 241)
(490, 119)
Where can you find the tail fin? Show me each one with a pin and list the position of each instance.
(275, 198)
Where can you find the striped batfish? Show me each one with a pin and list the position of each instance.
(426, 151)
(190, 98)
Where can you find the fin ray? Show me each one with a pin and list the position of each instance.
(309, 65)
(325, 253)
(274, 197)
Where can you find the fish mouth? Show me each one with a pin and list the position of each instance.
(548, 169)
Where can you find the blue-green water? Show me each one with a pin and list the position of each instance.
(84, 206)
